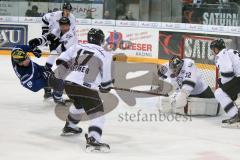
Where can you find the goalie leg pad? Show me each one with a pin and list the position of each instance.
(201, 107)
(194, 107)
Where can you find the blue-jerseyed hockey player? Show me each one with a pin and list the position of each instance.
(32, 75)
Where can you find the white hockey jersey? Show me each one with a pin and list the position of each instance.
(50, 21)
(188, 79)
(66, 40)
(228, 64)
(89, 64)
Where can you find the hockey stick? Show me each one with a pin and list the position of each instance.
(137, 91)
(131, 90)
(50, 54)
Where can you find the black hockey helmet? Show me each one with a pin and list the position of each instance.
(18, 55)
(175, 65)
(67, 6)
(64, 20)
(218, 43)
(95, 36)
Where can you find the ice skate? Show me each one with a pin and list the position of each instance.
(69, 131)
(94, 146)
(233, 122)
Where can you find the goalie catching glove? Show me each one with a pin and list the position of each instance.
(179, 98)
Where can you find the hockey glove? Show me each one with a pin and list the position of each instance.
(34, 42)
(51, 37)
(54, 44)
(54, 41)
(37, 52)
(106, 86)
(104, 89)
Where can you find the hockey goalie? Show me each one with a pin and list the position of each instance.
(191, 95)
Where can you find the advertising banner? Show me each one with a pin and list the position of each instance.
(191, 45)
(88, 10)
(131, 41)
(226, 14)
(12, 35)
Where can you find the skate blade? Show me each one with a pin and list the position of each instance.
(92, 149)
(47, 98)
(232, 126)
(69, 134)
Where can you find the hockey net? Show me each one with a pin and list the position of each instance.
(198, 49)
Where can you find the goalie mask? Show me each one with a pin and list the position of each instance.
(18, 55)
(175, 66)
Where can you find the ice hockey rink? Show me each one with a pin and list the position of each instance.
(31, 131)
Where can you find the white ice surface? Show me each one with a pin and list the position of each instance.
(29, 130)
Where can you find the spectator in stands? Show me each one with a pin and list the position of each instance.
(129, 16)
(121, 10)
(33, 12)
(187, 14)
(89, 15)
(107, 15)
